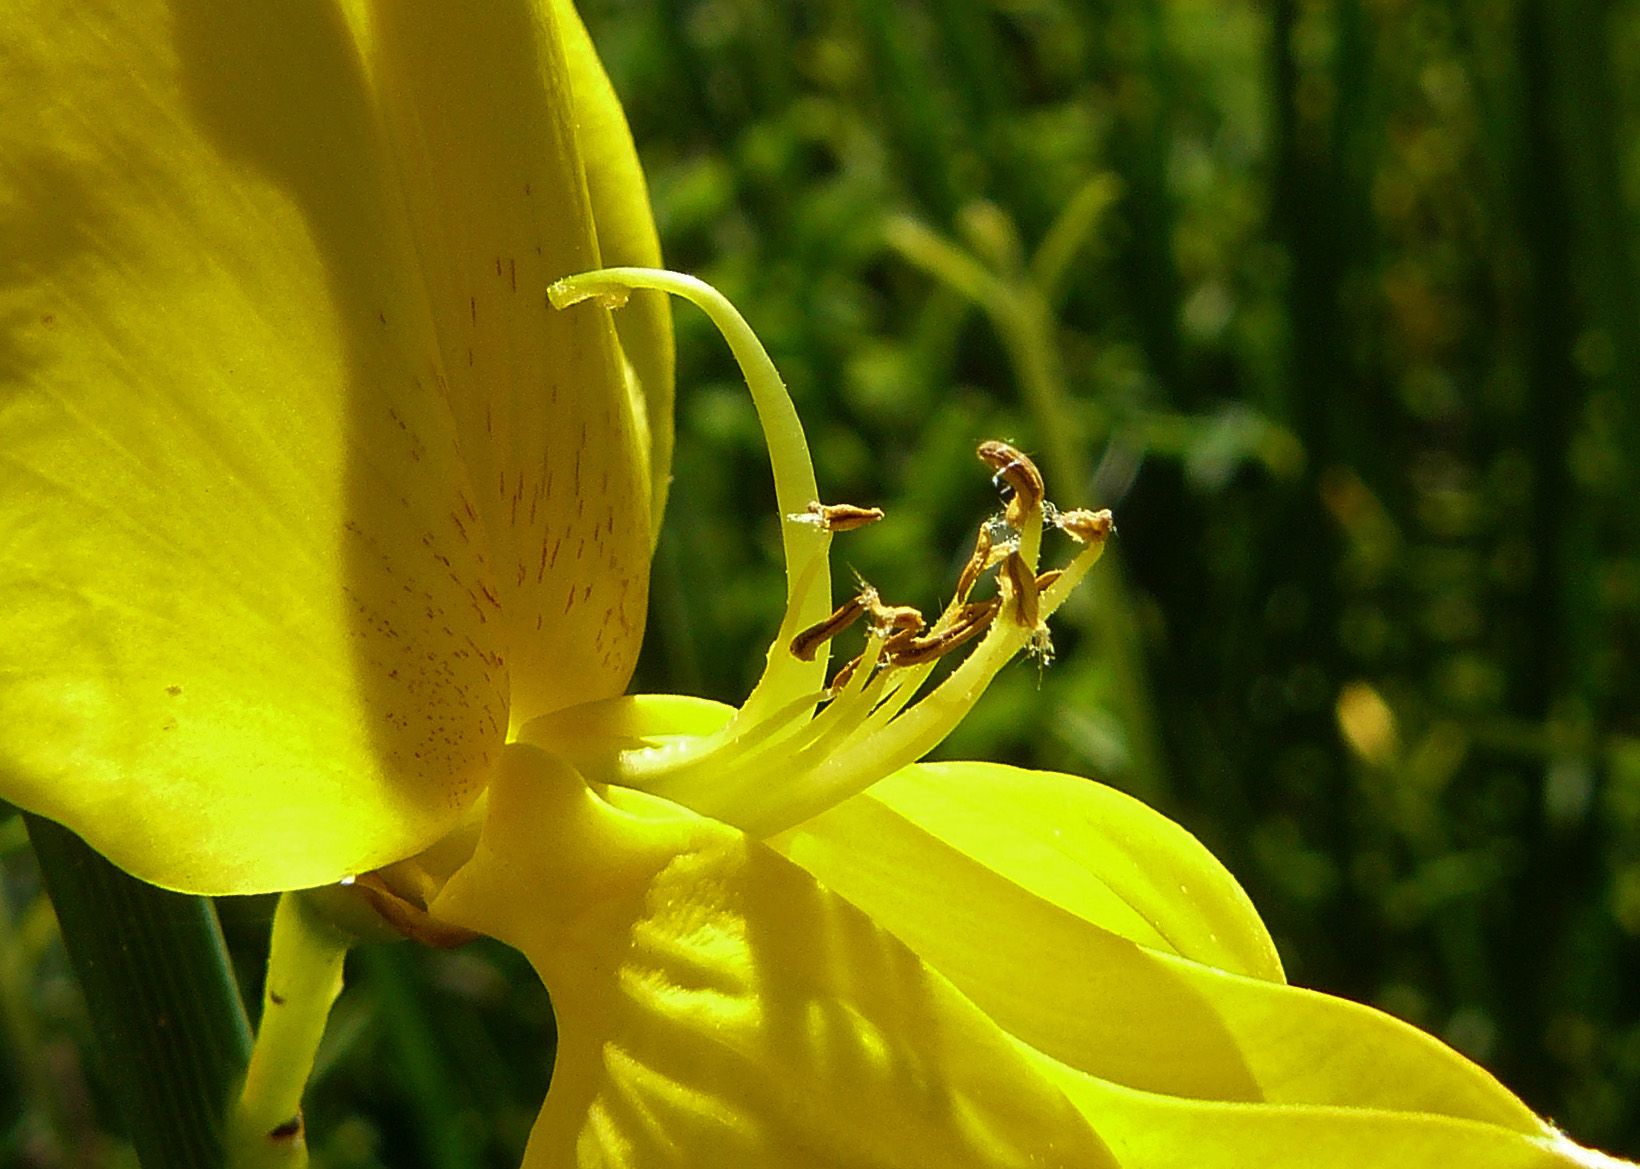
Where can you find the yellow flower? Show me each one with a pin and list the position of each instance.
(792, 944)
(326, 539)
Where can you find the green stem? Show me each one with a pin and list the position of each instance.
(1024, 323)
(1020, 312)
(304, 978)
(1069, 233)
(161, 995)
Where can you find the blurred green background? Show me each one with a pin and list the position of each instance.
(1334, 302)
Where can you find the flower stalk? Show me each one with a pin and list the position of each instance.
(304, 978)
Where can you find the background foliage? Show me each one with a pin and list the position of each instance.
(1334, 301)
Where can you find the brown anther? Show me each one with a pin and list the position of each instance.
(888, 620)
(1022, 581)
(843, 674)
(808, 642)
(898, 640)
(841, 517)
(410, 919)
(971, 621)
(1045, 580)
(1086, 527)
(977, 611)
(1018, 474)
(977, 563)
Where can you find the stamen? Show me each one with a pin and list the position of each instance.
(409, 918)
(897, 641)
(1021, 580)
(870, 732)
(837, 517)
(840, 720)
(811, 639)
(898, 733)
(977, 563)
(900, 684)
(863, 664)
(707, 767)
(844, 674)
(1086, 527)
(733, 766)
(890, 620)
(973, 620)
(1019, 473)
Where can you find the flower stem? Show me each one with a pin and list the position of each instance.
(304, 978)
(161, 995)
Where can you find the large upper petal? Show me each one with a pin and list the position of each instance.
(1101, 935)
(717, 1007)
(267, 541)
(627, 238)
(479, 112)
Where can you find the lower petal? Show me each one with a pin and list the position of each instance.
(718, 1007)
(1076, 979)
(1165, 1132)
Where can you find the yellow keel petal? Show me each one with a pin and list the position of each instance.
(717, 1007)
(1161, 1132)
(1064, 971)
(1094, 852)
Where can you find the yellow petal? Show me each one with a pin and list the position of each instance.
(1161, 1132)
(592, 737)
(717, 1007)
(476, 102)
(1062, 972)
(626, 237)
(1093, 851)
(248, 637)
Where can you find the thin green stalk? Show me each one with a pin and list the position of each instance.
(1055, 257)
(304, 978)
(167, 1015)
(1025, 326)
(1021, 313)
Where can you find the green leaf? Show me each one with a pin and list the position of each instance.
(170, 1026)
